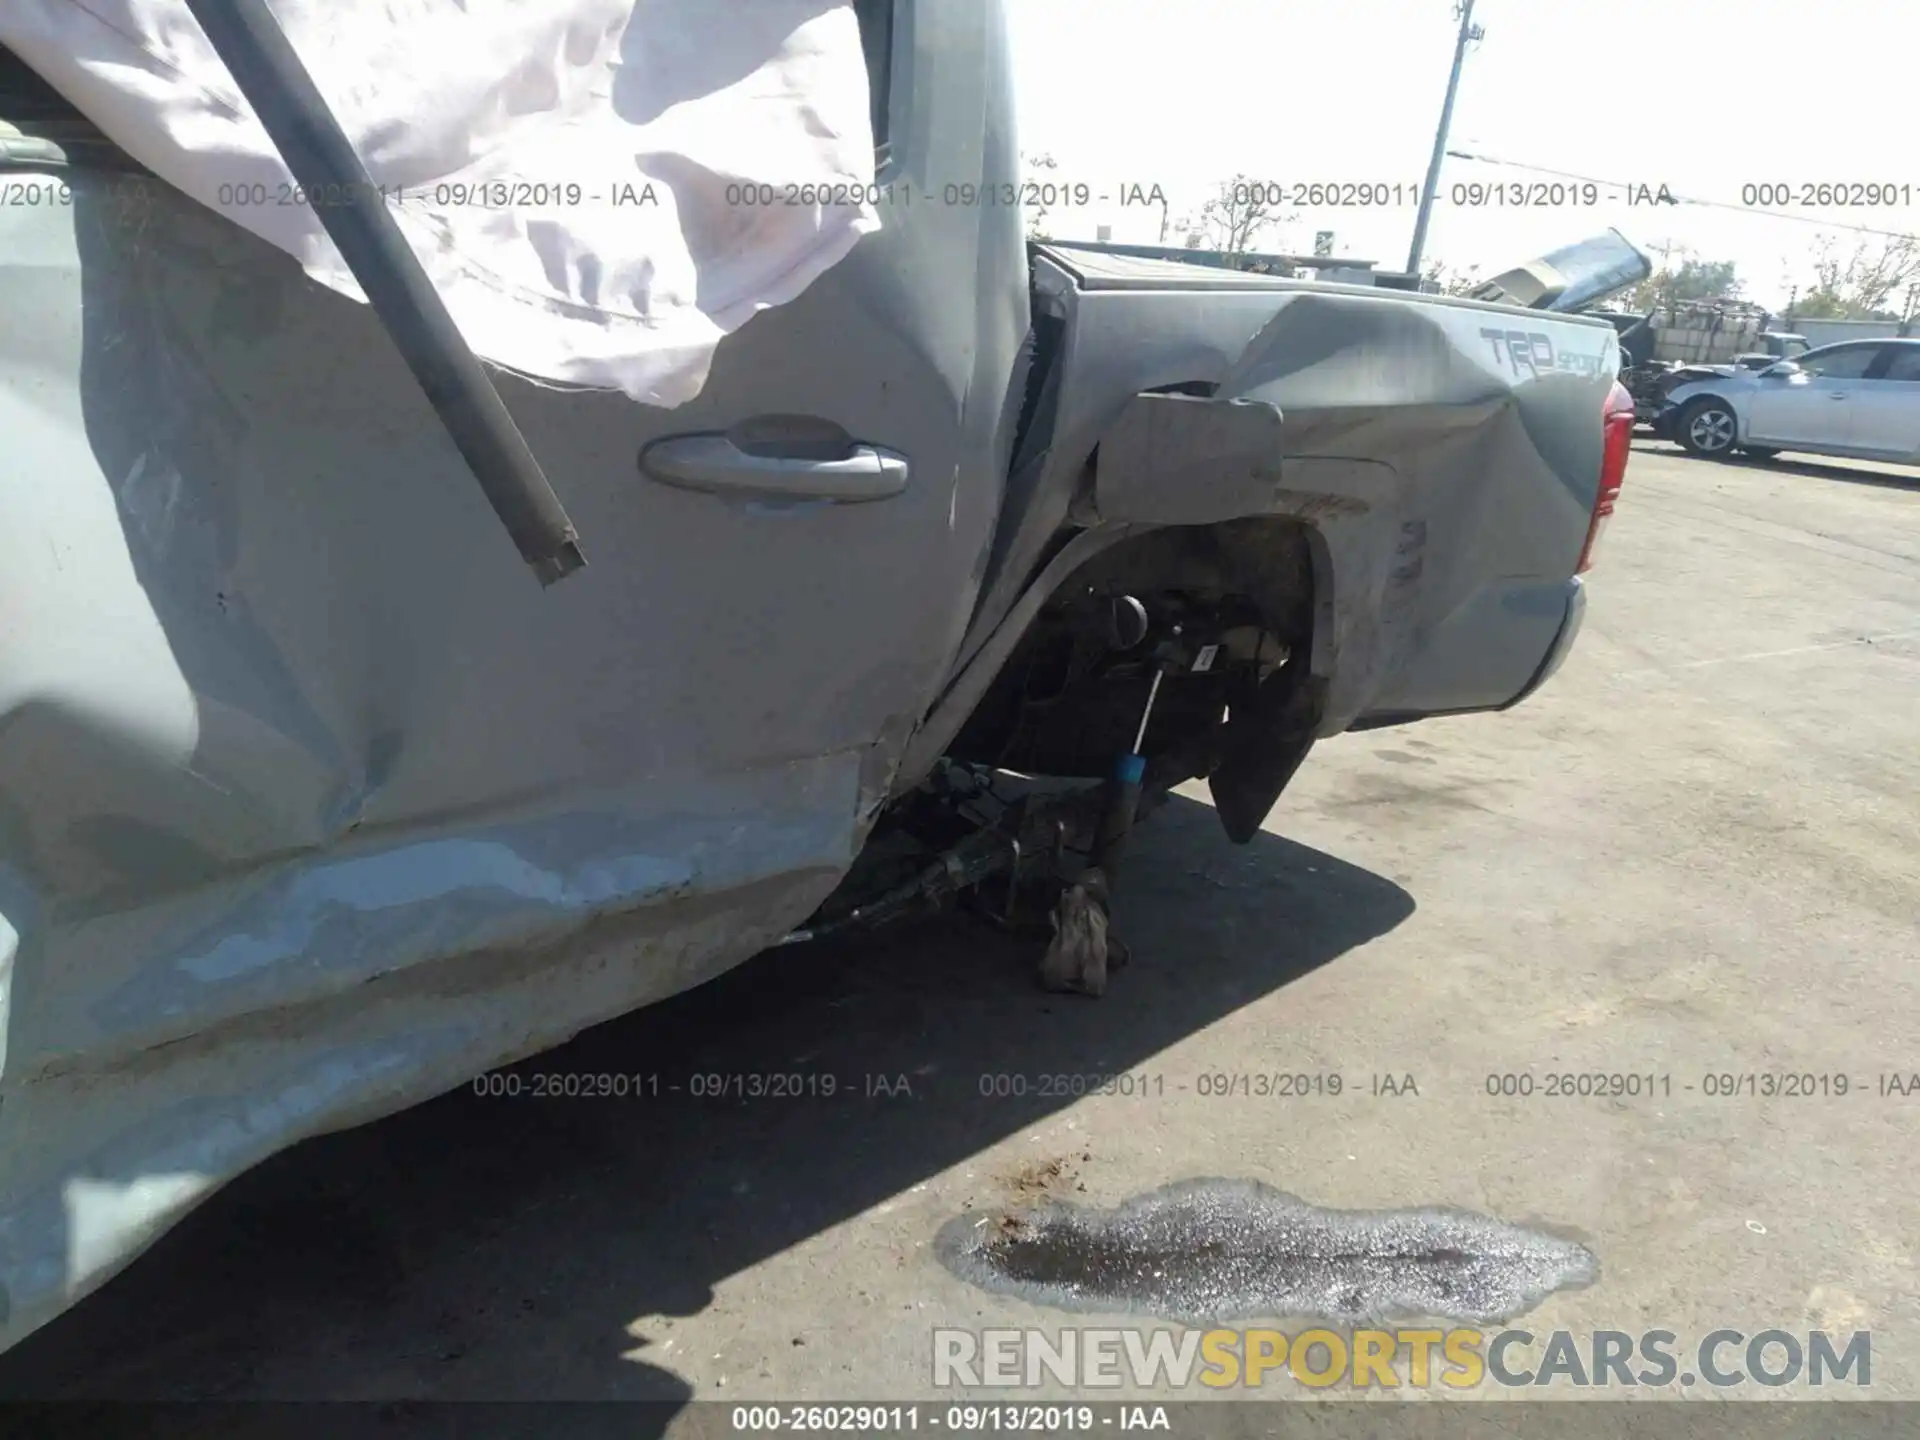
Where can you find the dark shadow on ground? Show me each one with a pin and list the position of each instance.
(1791, 464)
(463, 1248)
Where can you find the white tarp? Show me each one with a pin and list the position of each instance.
(568, 171)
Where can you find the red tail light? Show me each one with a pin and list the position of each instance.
(1616, 421)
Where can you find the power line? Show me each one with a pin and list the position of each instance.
(1688, 200)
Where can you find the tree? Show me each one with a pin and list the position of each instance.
(1859, 284)
(1704, 280)
(1648, 293)
(1242, 211)
(1037, 213)
(1447, 281)
(1691, 279)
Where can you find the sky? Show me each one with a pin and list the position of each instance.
(1704, 97)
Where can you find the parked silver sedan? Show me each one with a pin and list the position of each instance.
(1859, 399)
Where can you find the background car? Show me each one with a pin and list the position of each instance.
(1859, 399)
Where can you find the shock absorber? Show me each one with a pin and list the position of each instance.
(1130, 770)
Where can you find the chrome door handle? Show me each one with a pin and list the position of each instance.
(714, 464)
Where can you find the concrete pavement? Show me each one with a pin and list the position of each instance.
(1694, 857)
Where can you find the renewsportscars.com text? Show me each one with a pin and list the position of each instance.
(1458, 1359)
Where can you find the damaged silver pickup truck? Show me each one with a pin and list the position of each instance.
(314, 804)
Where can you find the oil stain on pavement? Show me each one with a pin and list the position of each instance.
(1203, 1251)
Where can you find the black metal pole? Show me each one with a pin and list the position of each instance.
(256, 52)
(1432, 185)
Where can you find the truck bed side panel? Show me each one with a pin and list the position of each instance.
(1444, 453)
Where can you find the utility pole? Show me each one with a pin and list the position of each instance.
(1469, 32)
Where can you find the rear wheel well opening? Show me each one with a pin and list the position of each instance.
(1224, 613)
